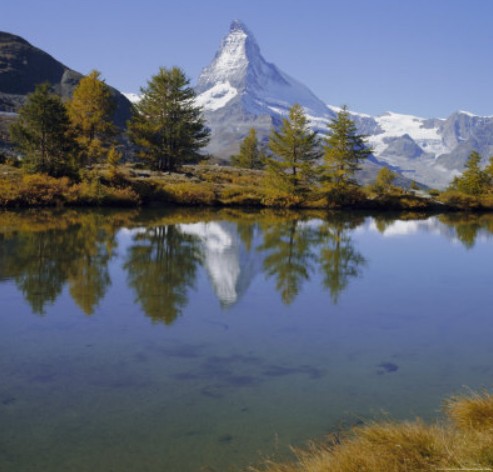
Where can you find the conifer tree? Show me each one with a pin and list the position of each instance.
(250, 155)
(473, 180)
(42, 134)
(384, 180)
(344, 150)
(295, 149)
(91, 110)
(489, 173)
(114, 157)
(167, 127)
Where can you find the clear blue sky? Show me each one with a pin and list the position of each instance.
(423, 57)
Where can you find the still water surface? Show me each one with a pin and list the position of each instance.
(187, 341)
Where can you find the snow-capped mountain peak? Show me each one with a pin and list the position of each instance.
(239, 71)
(240, 89)
(238, 50)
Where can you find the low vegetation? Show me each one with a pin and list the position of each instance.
(463, 440)
(72, 154)
(40, 190)
(193, 185)
(473, 190)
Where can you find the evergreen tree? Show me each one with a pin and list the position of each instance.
(384, 180)
(295, 149)
(91, 111)
(344, 150)
(250, 155)
(42, 134)
(473, 180)
(114, 158)
(166, 126)
(489, 174)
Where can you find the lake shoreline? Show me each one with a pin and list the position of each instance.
(202, 327)
(202, 186)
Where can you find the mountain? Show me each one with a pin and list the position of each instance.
(23, 66)
(240, 90)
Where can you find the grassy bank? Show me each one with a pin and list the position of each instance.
(201, 185)
(462, 440)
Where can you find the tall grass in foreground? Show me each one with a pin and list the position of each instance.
(463, 440)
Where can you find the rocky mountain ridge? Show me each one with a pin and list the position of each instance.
(240, 89)
(23, 66)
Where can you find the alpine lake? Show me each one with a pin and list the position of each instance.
(186, 340)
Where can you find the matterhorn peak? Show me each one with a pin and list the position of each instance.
(239, 72)
(238, 25)
(238, 53)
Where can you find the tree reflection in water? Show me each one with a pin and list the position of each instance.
(162, 266)
(43, 252)
(339, 260)
(296, 249)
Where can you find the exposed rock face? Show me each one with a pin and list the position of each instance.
(240, 90)
(403, 146)
(23, 66)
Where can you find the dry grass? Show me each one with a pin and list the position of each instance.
(463, 441)
(471, 413)
(208, 185)
(39, 190)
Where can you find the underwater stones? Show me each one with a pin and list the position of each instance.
(387, 368)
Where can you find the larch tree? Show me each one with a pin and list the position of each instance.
(488, 170)
(473, 180)
(384, 181)
(91, 111)
(295, 148)
(167, 127)
(250, 155)
(344, 150)
(42, 134)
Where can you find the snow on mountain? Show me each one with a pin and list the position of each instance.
(239, 70)
(397, 125)
(133, 97)
(217, 96)
(240, 90)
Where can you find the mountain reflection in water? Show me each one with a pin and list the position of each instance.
(45, 251)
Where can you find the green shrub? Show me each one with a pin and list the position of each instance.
(33, 190)
(189, 193)
(459, 200)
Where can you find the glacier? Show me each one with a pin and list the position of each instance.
(240, 89)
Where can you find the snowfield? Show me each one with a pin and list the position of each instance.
(239, 89)
(217, 96)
